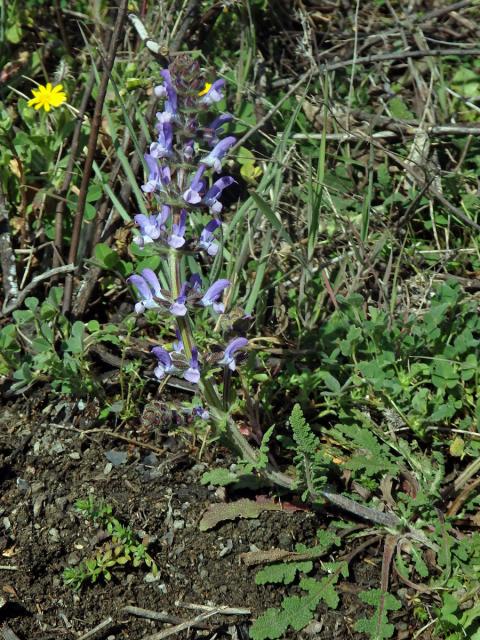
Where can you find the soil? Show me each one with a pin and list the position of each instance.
(50, 457)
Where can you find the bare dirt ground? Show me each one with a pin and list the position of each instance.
(49, 458)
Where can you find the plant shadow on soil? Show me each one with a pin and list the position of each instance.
(46, 466)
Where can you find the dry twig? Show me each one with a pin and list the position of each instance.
(67, 268)
(92, 146)
(99, 630)
(159, 615)
(7, 256)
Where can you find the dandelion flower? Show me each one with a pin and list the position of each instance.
(47, 97)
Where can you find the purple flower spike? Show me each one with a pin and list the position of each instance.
(165, 175)
(160, 91)
(178, 344)
(195, 282)
(212, 295)
(192, 194)
(155, 176)
(207, 241)
(165, 364)
(149, 288)
(229, 354)
(192, 374)
(178, 307)
(162, 217)
(177, 240)
(215, 191)
(168, 90)
(189, 150)
(215, 128)
(214, 158)
(163, 147)
(151, 227)
(214, 94)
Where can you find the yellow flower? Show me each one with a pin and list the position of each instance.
(206, 89)
(47, 97)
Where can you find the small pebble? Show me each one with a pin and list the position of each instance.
(54, 534)
(22, 485)
(117, 458)
(151, 578)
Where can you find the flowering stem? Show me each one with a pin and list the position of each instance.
(183, 323)
(225, 423)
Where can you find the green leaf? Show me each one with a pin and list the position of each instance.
(107, 258)
(272, 624)
(283, 572)
(271, 217)
(469, 367)
(219, 477)
(399, 109)
(31, 303)
(22, 316)
(330, 381)
(299, 611)
(444, 374)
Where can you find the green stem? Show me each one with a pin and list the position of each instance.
(183, 324)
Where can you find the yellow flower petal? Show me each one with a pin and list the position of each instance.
(206, 89)
(47, 97)
(58, 99)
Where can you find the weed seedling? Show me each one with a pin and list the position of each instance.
(121, 549)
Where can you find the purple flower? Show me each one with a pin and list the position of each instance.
(215, 191)
(214, 158)
(215, 128)
(158, 176)
(192, 374)
(192, 194)
(200, 412)
(165, 175)
(207, 240)
(229, 353)
(168, 90)
(178, 345)
(178, 307)
(151, 227)
(177, 240)
(165, 364)
(214, 93)
(212, 295)
(148, 287)
(188, 150)
(163, 147)
(195, 282)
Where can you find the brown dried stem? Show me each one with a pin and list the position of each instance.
(7, 255)
(92, 146)
(60, 210)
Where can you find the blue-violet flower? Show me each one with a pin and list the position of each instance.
(165, 364)
(229, 353)
(213, 293)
